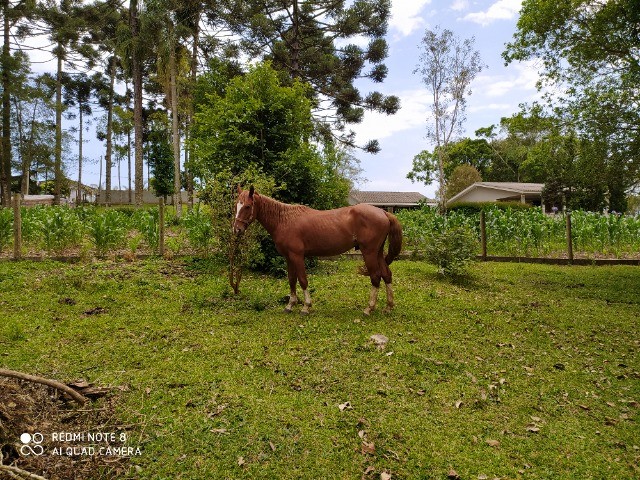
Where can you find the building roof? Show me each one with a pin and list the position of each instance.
(511, 187)
(398, 199)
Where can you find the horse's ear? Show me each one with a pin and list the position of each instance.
(251, 190)
(239, 189)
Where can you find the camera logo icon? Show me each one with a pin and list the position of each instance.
(31, 444)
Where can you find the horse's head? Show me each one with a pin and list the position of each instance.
(245, 213)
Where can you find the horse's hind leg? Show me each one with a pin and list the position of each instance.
(387, 277)
(373, 267)
(293, 278)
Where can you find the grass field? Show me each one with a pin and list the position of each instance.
(523, 371)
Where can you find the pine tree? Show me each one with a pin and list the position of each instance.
(309, 41)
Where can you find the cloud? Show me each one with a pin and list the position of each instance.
(500, 10)
(519, 78)
(490, 106)
(405, 16)
(459, 5)
(415, 105)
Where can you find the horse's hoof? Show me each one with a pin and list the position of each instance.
(288, 309)
(388, 310)
(304, 312)
(367, 311)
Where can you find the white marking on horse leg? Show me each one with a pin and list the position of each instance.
(238, 208)
(390, 302)
(373, 298)
(293, 300)
(307, 302)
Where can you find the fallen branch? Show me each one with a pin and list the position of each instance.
(16, 472)
(45, 381)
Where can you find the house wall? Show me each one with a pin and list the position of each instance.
(483, 194)
(121, 197)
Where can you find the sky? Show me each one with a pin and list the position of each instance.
(497, 91)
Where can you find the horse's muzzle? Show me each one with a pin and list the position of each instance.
(238, 229)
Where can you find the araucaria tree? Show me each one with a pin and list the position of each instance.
(447, 66)
(310, 42)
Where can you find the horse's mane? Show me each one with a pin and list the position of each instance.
(271, 212)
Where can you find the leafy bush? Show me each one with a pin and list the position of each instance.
(452, 250)
(220, 195)
(107, 230)
(6, 227)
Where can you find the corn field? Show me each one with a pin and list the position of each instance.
(88, 230)
(529, 232)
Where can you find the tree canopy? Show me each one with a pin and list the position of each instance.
(259, 122)
(589, 50)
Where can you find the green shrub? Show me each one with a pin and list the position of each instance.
(452, 250)
(220, 195)
(6, 227)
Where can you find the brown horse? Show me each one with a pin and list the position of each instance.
(300, 231)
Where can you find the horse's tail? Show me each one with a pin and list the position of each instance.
(395, 238)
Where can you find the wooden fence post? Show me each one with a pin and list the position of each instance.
(17, 228)
(161, 227)
(569, 237)
(483, 235)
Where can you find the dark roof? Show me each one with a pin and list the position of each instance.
(386, 198)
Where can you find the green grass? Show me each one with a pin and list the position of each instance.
(212, 378)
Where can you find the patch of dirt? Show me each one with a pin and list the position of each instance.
(29, 408)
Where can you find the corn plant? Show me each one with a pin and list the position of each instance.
(53, 227)
(147, 223)
(6, 227)
(107, 230)
(199, 228)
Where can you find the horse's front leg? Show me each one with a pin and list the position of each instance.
(304, 283)
(293, 278)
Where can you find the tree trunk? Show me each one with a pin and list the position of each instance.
(21, 146)
(5, 158)
(28, 153)
(109, 152)
(295, 43)
(79, 189)
(136, 73)
(177, 184)
(57, 180)
(194, 74)
(100, 183)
